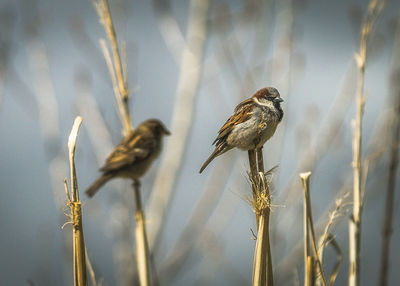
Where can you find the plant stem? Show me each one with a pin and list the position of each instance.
(305, 179)
(142, 247)
(309, 278)
(374, 9)
(307, 271)
(79, 261)
(262, 265)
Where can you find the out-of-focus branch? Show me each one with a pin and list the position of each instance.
(169, 28)
(393, 165)
(196, 223)
(96, 127)
(189, 77)
(89, 265)
(325, 137)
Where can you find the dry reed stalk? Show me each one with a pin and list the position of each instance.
(309, 278)
(74, 204)
(307, 272)
(115, 66)
(327, 239)
(305, 179)
(120, 85)
(253, 173)
(262, 265)
(374, 9)
(393, 165)
(189, 77)
(330, 240)
(142, 247)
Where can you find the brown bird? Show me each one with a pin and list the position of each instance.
(254, 122)
(134, 155)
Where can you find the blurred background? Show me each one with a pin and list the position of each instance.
(52, 69)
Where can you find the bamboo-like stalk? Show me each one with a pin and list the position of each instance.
(74, 204)
(120, 85)
(260, 261)
(119, 79)
(309, 278)
(262, 265)
(266, 214)
(142, 247)
(305, 179)
(374, 9)
(306, 234)
(253, 172)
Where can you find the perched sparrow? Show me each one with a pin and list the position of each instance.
(134, 155)
(253, 123)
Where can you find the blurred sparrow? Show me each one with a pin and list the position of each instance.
(252, 124)
(134, 155)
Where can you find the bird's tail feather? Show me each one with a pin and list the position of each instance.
(216, 153)
(96, 185)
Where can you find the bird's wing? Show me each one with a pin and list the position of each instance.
(242, 113)
(134, 148)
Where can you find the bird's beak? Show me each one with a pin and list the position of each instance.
(278, 99)
(166, 131)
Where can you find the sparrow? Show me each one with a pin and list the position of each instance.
(133, 156)
(254, 122)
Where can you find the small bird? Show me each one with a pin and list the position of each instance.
(254, 121)
(134, 155)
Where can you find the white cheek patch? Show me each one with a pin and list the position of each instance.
(267, 104)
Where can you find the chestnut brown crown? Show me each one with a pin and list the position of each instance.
(268, 93)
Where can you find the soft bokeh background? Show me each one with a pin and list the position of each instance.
(52, 69)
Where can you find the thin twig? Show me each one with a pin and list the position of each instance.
(90, 269)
